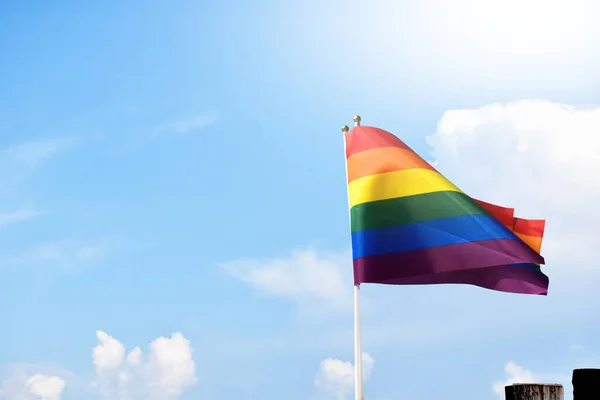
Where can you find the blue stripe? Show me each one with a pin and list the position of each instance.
(531, 267)
(421, 235)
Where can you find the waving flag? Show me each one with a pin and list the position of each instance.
(410, 225)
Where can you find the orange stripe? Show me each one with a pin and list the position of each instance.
(535, 242)
(529, 227)
(381, 160)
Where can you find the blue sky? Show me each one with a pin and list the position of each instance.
(176, 167)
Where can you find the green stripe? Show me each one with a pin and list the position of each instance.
(410, 209)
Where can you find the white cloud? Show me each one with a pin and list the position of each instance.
(538, 156)
(335, 378)
(305, 277)
(163, 374)
(134, 357)
(108, 353)
(515, 374)
(171, 364)
(25, 385)
(46, 387)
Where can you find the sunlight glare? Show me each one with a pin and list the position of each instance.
(523, 29)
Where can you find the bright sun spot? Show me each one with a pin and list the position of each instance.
(522, 28)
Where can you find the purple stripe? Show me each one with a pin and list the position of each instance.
(438, 262)
(504, 278)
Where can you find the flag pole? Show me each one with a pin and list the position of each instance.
(359, 394)
(358, 370)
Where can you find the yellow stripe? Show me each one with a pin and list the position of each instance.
(402, 183)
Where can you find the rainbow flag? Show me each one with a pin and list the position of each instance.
(410, 225)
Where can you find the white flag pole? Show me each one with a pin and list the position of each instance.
(358, 370)
(359, 393)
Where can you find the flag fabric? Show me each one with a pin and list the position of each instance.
(531, 231)
(410, 225)
(504, 215)
(528, 230)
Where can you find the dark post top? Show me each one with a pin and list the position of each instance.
(534, 391)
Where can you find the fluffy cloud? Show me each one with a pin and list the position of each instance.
(538, 156)
(161, 375)
(46, 387)
(515, 374)
(108, 354)
(305, 277)
(518, 374)
(335, 378)
(23, 386)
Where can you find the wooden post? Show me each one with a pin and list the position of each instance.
(532, 391)
(586, 384)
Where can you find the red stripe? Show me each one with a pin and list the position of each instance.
(529, 227)
(503, 214)
(362, 138)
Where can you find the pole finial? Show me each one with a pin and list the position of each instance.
(345, 128)
(357, 120)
